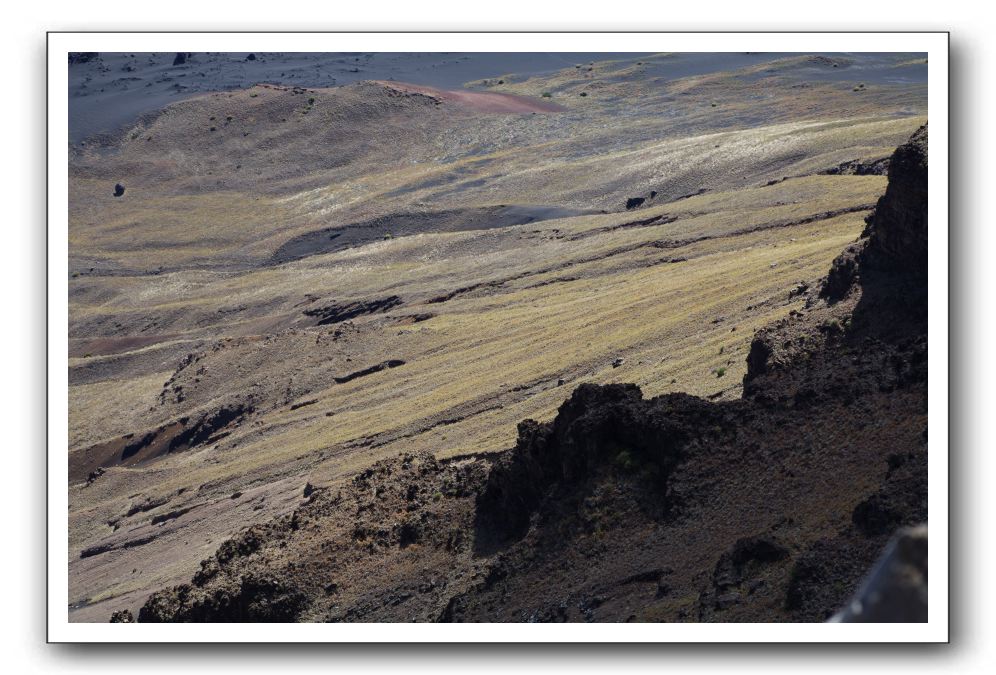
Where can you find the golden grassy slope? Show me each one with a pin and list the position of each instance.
(677, 298)
(484, 362)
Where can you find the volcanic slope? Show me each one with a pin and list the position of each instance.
(297, 284)
(674, 508)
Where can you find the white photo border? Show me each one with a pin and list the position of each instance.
(934, 44)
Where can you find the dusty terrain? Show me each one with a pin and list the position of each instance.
(322, 314)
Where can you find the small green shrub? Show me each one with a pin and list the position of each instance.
(720, 372)
(625, 461)
(831, 326)
(546, 94)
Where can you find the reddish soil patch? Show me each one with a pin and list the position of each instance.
(480, 101)
(114, 345)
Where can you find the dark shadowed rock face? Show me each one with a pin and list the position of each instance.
(597, 427)
(895, 239)
(875, 167)
(337, 313)
(897, 231)
(843, 274)
(250, 599)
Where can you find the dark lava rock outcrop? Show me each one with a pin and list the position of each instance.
(897, 233)
(857, 167)
(895, 239)
(596, 427)
(337, 313)
(177, 436)
(392, 543)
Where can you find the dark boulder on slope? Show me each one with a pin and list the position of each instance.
(122, 616)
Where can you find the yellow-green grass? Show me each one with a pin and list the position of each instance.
(676, 290)
(478, 350)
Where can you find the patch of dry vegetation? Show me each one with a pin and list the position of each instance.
(510, 319)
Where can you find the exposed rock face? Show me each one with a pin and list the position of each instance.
(248, 599)
(876, 167)
(757, 357)
(843, 274)
(176, 436)
(337, 313)
(596, 427)
(896, 590)
(392, 543)
(897, 232)
(895, 240)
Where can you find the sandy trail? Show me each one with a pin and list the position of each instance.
(479, 101)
